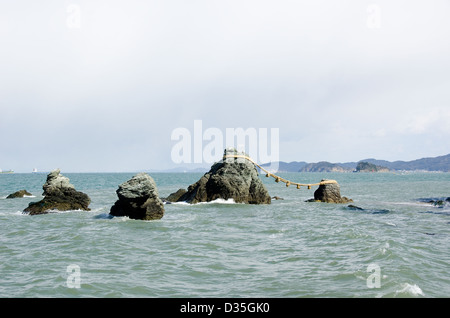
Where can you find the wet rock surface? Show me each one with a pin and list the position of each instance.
(59, 195)
(138, 199)
(19, 194)
(329, 193)
(230, 178)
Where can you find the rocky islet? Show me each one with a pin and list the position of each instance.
(59, 194)
(138, 199)
(329, 193)
(234, 177)
(19, 194)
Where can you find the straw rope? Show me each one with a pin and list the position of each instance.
(278, 178)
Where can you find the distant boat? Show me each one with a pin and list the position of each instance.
(9, 171)
(35, 170)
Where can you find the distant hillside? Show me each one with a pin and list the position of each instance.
(364, 166)
(324, 166)
(441, 163)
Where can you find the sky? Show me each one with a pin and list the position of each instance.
(102, 85)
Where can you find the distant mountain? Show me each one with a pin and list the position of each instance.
(441, 163)
(364, 166)
(324, 166)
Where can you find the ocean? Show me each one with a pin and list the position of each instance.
(398, 245)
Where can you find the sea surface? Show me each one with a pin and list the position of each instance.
(397, 246)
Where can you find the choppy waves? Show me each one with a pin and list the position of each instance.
(289, 248)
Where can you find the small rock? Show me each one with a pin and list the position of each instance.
(354, 207)
(19, 194)
(330, 193)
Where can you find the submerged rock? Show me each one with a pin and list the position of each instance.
(437, 202)
(138, 199)
(330, 193)
(230, 178)
(59, 195)
(371, 211)
(19, 194)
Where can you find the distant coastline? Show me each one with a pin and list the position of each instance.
(434, 164)
(430, 164)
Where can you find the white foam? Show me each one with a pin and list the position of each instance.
(409, 289)
(384, 249)
(178, 203)
(219, 201)
(216, 201)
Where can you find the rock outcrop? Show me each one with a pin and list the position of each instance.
(59, 195)
(230, 178)
(330, 193)
(138, 199)
(363, 166)
(19, 194)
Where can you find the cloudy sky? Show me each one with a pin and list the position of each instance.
(101, 85)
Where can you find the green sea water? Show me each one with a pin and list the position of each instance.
(398, 246)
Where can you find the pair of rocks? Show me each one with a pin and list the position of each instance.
(138, 198)
(237, 178)
(231, 178)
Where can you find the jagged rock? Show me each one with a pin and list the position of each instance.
(330, 193)
(18, 194)
(138, 199)
(231, 178)
(59, 195)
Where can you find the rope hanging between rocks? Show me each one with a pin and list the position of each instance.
(277, 178)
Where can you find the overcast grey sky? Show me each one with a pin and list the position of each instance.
(100, 85)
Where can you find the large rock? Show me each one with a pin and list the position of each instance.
(330, 192)
(59, 195)
(230, 178)
(138, 199)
